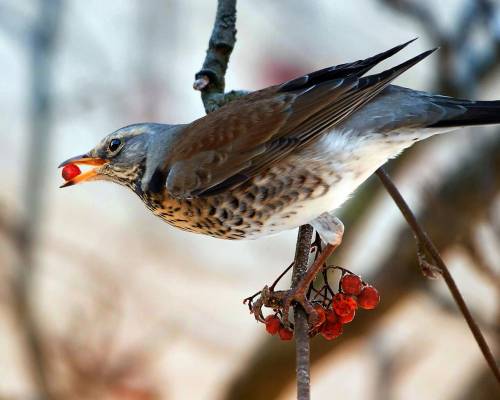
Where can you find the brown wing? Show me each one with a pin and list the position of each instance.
(227, 147)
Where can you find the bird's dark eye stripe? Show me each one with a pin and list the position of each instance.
(114, 144)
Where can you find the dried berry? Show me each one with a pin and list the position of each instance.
(368, 298)
(343, 305)
(331, 330)
(70, 171)
(348, 317)
(273, 324)
(285, 333)
(351, 284)
(321, 315)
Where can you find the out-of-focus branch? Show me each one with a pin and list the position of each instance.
(480, 262)
(43, 37)
(13, 23)
(450, 211)
(420, 12)
(483, 387)
(461, 64)
(424, 239)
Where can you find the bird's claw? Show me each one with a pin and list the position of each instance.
(268, 298)
(281, 301)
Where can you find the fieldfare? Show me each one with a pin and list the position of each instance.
(279, 157)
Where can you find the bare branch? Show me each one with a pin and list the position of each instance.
(301, 329)
(210, 80)
(424, 239)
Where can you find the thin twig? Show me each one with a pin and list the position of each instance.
(301, 329)
(424, 239)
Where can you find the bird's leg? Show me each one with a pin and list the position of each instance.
(331, 230)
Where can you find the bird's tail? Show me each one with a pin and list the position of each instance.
(466, 112)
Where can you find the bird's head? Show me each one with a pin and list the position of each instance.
(120, 157)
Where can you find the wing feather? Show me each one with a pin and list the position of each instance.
(227, 147)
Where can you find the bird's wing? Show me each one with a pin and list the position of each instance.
(227, 147)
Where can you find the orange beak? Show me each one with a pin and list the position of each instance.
(89, 175)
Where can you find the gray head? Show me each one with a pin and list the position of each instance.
(122, 156)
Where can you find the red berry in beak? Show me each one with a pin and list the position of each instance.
(351, 284)
(368, 298)
(70, 171)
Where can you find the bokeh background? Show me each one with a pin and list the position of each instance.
(100, 300)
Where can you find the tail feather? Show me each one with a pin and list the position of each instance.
(466, 112)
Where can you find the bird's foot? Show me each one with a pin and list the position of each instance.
(281, 302)
(329, 305)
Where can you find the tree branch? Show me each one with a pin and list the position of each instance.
(210, 80)
(424, 239)
(301, 329)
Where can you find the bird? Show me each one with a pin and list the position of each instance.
(280, 157)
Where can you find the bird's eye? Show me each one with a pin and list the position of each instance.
(114, 144)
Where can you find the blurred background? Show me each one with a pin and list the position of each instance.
(101, 300)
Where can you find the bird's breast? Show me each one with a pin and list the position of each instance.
(271, 202)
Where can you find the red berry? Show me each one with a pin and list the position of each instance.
(368, 298)
(348, 317)
(273, 324)
(343, 305)
(331, 330)
(70, 171)
(321, 315)
(331, 316)
(285, 334)
(351, 284)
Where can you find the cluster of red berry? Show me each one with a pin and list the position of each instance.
(333, 310)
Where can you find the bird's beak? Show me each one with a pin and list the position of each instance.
(84, 159)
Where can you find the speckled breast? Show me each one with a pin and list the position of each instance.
(261, 206)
